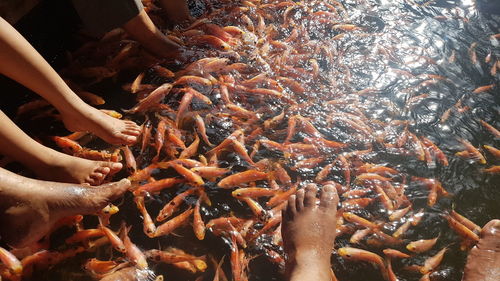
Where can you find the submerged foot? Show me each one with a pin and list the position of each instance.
(129, 274)
(483, 262)
(30, 207)
(309, 232)
(61, 167)
(110, 129)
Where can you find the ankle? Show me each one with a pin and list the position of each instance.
(310, 259)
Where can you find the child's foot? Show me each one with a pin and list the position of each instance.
(61, 167)
(110, 129)
(483, 262)
(29, 208)
(309, 232)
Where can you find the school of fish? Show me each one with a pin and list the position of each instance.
(263, 105)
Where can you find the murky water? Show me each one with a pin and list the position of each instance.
(405, 66)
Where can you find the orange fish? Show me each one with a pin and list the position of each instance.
(10, 261)
(363, 255)
(198, 224)
(174, 204)
(422, 245)
(169, 226)
(431, 263)
(241, 178)
(157, 186)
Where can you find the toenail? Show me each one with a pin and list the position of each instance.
(116, 165)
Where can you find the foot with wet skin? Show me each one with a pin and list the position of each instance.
(29, 208)
(110, 129)
(483, 262)
(65, 168)
(309, 233)
(48, 163)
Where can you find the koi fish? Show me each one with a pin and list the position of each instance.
(153, 98)
(134, 254)
(198, 224)
(395, 254)
(113, 239)
(422, 245)
(174, 204)
(157, 186)
(494, 151)
(363, 255)
(491, 129)
(431, 263)
(241, 178)
(149, 227)
(169, 226)
(10, 261)
(253, 192)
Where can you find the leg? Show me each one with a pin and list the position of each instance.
(25, 65)
(309, 233)
(142, 29)
(176, 10)
(29, 208)
(483, 262)
(48, 163)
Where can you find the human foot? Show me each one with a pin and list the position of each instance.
(60, 167)
(29, 208)
(129, 274)
(309, 232)
(483, 262)
(88, 119)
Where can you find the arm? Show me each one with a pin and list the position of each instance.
(21, 62)
(142, 29)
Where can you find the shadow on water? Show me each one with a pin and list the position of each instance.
(435, 37)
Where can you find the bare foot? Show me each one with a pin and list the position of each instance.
(110, 129)
(309, 232)
(61, 167)
(29, 208)
(129, 274)
(483, 262)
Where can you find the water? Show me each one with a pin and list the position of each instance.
(411, 62)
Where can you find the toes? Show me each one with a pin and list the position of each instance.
(133, 129)
(491, 228)
(97, 177)
(299, 202)
(112, 191)
(291, 208)
(131, 132)
(111, 167)
(120, 137)
(90, 180)
(329, 197)
(129, 139)
(310, 195)
(103, 170)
